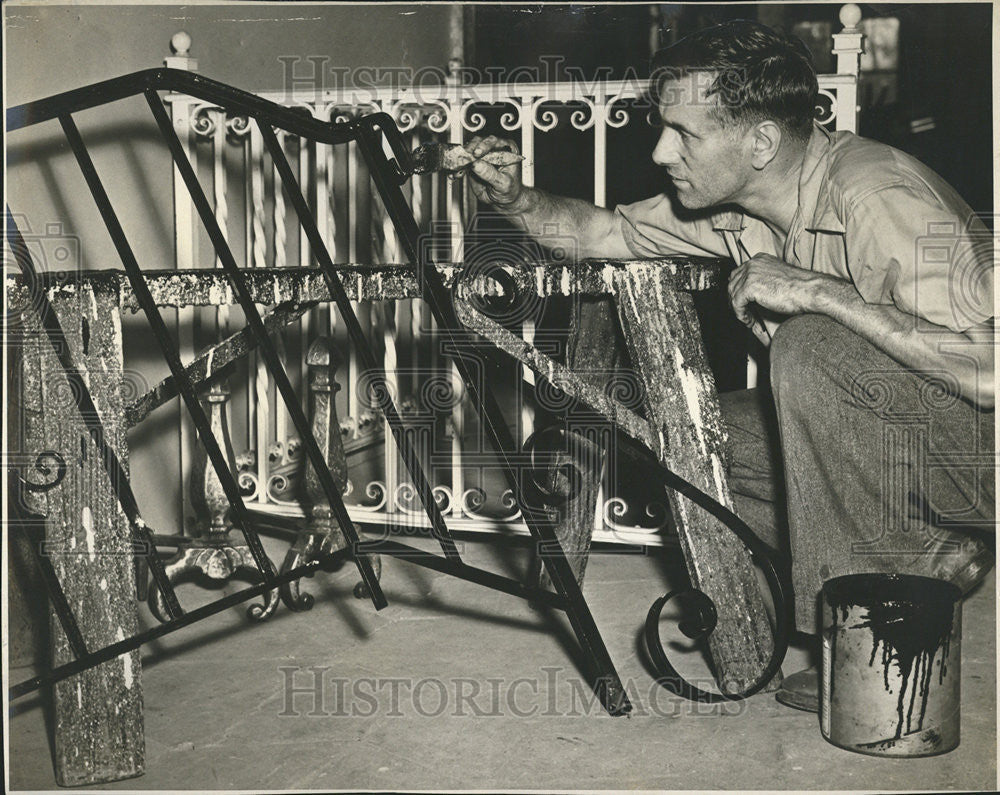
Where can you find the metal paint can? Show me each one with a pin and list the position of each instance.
(891, 664)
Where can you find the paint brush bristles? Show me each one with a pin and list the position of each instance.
(454, 159)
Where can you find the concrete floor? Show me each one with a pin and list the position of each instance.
(454, 686)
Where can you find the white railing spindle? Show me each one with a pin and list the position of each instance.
(528, 107)
(353, 185)
(261, 379)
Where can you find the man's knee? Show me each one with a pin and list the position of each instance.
(799, 355)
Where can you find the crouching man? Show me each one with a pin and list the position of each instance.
(869, 279)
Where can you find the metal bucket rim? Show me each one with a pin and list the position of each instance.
(867, 588)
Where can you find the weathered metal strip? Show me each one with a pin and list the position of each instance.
(35, 303)
(555, 373)
(269, 286)
(662, 333)
(203, 369)
(98, 736)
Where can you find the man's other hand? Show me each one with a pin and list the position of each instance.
(773, 284)
(499, 187)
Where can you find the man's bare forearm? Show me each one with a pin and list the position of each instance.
(772, 284)
(968, 356)
(552, 219)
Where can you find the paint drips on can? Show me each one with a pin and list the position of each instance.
(891, 664)
(909, 635)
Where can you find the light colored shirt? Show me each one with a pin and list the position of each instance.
(867, 213)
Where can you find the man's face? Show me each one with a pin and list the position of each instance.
(707, 163)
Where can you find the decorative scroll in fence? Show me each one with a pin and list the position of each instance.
(356, 229)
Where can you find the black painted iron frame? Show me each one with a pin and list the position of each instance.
(388, 174)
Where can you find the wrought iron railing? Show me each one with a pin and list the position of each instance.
(387, 156)
(355, 228)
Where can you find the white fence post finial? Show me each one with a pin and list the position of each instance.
(850, 16)
(848, 46)
(180, 46)
(849, 43)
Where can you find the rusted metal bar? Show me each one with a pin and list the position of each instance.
(270, 286)
(664, 343)
(557, 374)
(34, 297)
(216, 358)
(86, 543)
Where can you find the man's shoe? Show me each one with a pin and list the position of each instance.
(966, 567)
(800, 690)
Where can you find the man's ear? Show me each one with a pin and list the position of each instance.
(765, 138)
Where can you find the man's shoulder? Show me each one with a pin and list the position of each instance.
(860, 167)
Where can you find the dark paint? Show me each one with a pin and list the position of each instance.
(911, 619)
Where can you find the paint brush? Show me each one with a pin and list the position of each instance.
(453, 159)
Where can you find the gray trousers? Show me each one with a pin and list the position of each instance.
(851, 463)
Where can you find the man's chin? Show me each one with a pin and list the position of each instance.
(689, 201)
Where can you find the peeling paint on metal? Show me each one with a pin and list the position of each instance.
(689, 386)
(608, 277)
(720, 477)
(87, 519)
(126, 659)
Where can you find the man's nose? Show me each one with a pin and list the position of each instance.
(665, 152)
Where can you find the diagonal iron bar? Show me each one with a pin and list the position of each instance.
(365, 354)
(388, 177)
(223, 467)
(270, 355)
(141, 537)
(559, 375)
(323, 562)
(210, 364)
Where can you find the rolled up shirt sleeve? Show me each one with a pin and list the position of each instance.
(651, 228)
(908, 249)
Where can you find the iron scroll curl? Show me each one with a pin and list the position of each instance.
(550, 442)
(705, 617)
(50, 464)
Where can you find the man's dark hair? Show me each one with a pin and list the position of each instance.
(760, 74)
